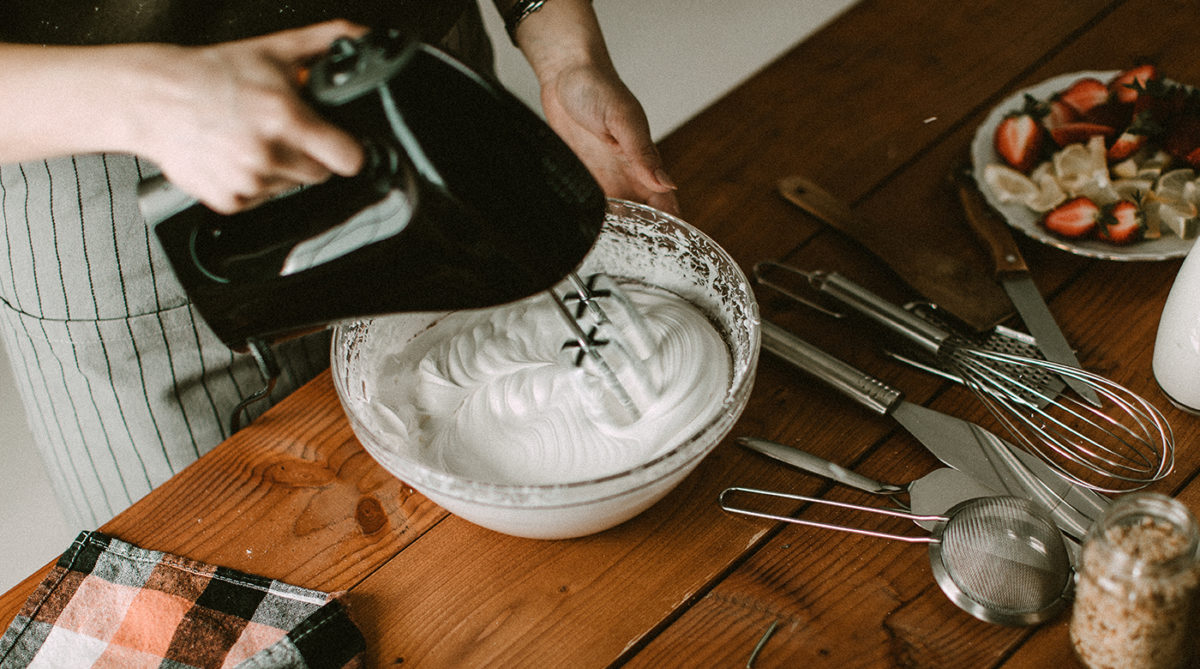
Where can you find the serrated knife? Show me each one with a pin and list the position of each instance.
(956, 442)
(1013, 275)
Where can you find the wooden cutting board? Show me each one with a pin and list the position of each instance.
(948, 270)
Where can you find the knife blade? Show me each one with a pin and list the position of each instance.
(1013, 275)
(956, 442)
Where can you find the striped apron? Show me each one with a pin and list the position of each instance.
(123, 384)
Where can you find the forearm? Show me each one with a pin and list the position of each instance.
(61, 100)
(559, 35)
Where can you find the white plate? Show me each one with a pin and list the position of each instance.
(1024, 219)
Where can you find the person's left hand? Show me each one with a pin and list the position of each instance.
(601, 120)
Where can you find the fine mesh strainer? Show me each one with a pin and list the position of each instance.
(999, 559)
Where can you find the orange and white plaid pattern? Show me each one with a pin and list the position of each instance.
(108, 603)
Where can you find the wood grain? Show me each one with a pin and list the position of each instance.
(876, 108)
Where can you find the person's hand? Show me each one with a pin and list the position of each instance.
(226, 123)
(599, 118)
(586, 103)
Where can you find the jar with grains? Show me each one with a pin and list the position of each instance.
(1137, 587)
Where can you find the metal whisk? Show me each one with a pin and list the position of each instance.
(610, 342)
(1123, 445)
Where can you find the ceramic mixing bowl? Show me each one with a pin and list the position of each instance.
(637, 242)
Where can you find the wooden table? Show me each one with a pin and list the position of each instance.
(875, 107)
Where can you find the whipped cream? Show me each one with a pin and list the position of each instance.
(491, 395)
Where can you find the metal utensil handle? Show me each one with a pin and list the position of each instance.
(863, 388)
(828, 526)
(819, 466)
(882, 312)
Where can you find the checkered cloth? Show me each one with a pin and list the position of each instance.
(107, 603)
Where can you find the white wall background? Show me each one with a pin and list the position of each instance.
(676, 55)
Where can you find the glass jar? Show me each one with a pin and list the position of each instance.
(1137, 586)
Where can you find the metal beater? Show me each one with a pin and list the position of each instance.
(610, 342)
(1123, 445)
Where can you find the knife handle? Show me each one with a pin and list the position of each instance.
(863, 388)
(993, 231)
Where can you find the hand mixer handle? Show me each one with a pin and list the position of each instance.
(863, 388)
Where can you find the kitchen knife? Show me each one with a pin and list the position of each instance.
(956, 442)
(1013, 275)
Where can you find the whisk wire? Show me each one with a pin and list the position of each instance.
(1128, 444)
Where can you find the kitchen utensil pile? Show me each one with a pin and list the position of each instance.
(1123, 445)
(1065, 450)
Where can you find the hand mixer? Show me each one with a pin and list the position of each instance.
(1124, 445)
(467, 200)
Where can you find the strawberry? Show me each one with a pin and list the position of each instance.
(1074, 219)
(1126, 86)
(1018, 140)
(1141, 130)
(1085, 94)
(1121, 223)
(1126, 144)
(1058, 113)
(1079, 132)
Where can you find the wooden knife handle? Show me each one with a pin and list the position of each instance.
(986, 223)
(817, 201)
(940, 259)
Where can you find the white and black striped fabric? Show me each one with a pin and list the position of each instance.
(122, 382)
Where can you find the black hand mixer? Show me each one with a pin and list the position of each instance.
(468, 199)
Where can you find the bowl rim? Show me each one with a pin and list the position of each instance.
(670, 461)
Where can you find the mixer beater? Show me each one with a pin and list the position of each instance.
(610, 342)
(1123, 445)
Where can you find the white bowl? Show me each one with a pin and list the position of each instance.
(637, 242)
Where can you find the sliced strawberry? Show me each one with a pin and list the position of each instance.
(1018, 140)
(1080, 132)
(1073, 219)
(1126, 144)
(1142, 130)
(1122, 223)
(1126, 86)
(1058, 113)
(1085, 94)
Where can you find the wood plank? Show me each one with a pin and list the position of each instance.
(292, 496)
(924, 630)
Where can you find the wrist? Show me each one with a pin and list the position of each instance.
(560, 35)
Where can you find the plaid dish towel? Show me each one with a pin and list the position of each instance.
(107, 603)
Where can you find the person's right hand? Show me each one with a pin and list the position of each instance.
(226, 123)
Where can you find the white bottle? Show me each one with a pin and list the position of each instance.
(1177, 347)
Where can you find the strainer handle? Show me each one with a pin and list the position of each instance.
(723, 499)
